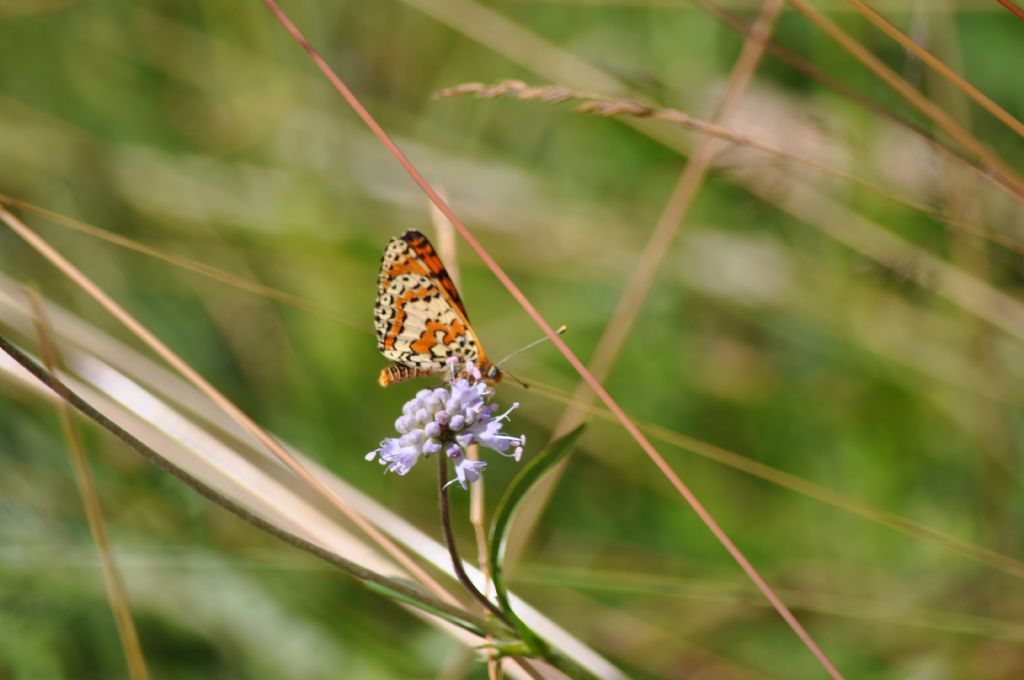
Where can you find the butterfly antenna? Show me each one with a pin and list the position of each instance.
(517, 380)
(561, 329)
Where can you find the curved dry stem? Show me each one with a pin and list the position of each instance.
(1016, 11)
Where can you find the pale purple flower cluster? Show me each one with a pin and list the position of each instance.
(449, 419)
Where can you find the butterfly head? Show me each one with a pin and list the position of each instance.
(490, 372)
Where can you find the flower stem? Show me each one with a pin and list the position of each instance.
(449, 539)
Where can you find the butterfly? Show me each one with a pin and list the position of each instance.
(419, 316)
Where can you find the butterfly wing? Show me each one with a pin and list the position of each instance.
(429, 258)
(419, 317)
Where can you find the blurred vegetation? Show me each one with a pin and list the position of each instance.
(202, 130)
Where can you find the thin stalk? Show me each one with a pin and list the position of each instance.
(116, 592)
(449, 539)
(476, 520)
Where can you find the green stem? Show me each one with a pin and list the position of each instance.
(449, 539)
(537, 646)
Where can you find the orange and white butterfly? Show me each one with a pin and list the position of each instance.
(419, 317)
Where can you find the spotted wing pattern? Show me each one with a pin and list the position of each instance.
(419, 317)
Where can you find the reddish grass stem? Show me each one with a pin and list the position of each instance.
(573, 360)
(1008, 4)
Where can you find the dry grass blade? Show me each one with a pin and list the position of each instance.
(608, 107)
(938, 66)
(221, 401)
(970, 292)
(185, 263)
(1005, 173)
(116, 592)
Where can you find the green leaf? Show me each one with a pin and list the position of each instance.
(506, 510)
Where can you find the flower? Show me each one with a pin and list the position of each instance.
(450, 418)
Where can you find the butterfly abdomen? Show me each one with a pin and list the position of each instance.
(398, 373)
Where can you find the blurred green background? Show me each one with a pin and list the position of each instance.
(202, 130)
